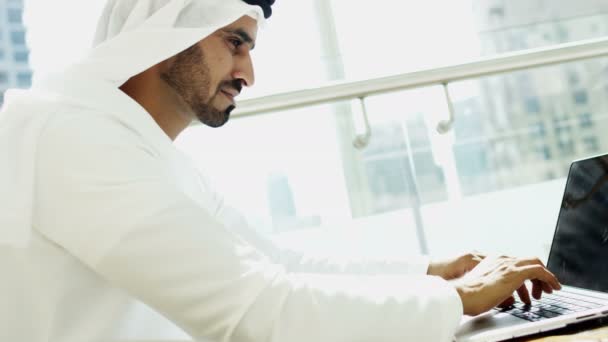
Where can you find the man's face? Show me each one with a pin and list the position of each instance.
(210, 74)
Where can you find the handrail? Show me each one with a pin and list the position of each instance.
(483, 67)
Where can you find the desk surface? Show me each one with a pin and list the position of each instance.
(592, 331)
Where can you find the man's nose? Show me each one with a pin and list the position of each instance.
(244, 71)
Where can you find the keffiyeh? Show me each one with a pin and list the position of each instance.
(132, 35)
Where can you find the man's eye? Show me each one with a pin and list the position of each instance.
(235, 42)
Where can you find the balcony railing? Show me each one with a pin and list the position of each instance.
(443, 75)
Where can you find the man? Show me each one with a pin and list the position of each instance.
(100, 211)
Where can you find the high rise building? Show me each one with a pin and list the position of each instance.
(14, 54)
(531, 124)
(514, 129)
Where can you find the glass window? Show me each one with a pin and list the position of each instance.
(285, 182)
(3, 77)
(402, 137)
(501, 154)
(562, 127)
(585, 120)
(580, 96)
(573, 78)
(24, 79)
(538, 130)
(545, 152)
(18, 37)
(14, 15)
(21, 56)
(498, 151)
(297, 28)
(290, 179)
(503, 147)
(532, 105)
(566, 146)
(403, 37)
(591, 144)
(2, 55)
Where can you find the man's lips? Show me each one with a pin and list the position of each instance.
(230, 93)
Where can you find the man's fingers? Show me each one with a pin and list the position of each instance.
(529, 261)
(507, 302)
(540, 273)
(546, 287)
(537, 288)
(524, 295)
(478, 256)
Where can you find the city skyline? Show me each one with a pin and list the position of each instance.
(15, 71)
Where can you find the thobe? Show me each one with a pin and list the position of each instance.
(122, 217)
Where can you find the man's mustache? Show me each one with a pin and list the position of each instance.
(235, 84)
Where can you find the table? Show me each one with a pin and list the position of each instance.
(590, 331)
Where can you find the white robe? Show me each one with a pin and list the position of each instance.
(121, 217)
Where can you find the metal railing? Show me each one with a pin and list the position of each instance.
(527, 59)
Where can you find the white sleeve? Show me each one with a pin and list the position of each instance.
(104, 197)
(297, 261)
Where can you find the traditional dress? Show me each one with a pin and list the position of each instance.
(100, 213)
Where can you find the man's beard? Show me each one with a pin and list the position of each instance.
(189, 77)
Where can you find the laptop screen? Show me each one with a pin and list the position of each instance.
(579, 253)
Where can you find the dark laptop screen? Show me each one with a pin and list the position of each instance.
(579, 253)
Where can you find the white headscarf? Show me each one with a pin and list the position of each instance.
(132, 36)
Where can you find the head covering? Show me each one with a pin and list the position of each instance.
(132, 36)
(265, 4)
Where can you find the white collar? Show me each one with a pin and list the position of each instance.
(104, 97)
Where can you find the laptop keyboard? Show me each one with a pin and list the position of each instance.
(552, 305)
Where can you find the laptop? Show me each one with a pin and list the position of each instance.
(578, 257)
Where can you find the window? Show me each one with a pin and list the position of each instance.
(21, 56)
(566, 146)
(538, 130)
(580, 97)
(564, 139)
(14, 15)
(3, 77)
(545, 152)
(591, 144)
(497, 12)
(562, 127)
(585, 120)
(18, 37)
(24, 79)
(388, 187)
(2, 55)
(502, 144)
(573, 78)
(532, 105)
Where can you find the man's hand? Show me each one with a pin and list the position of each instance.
(455, 267)
(495, 280)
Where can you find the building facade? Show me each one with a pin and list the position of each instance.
(14, 54)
